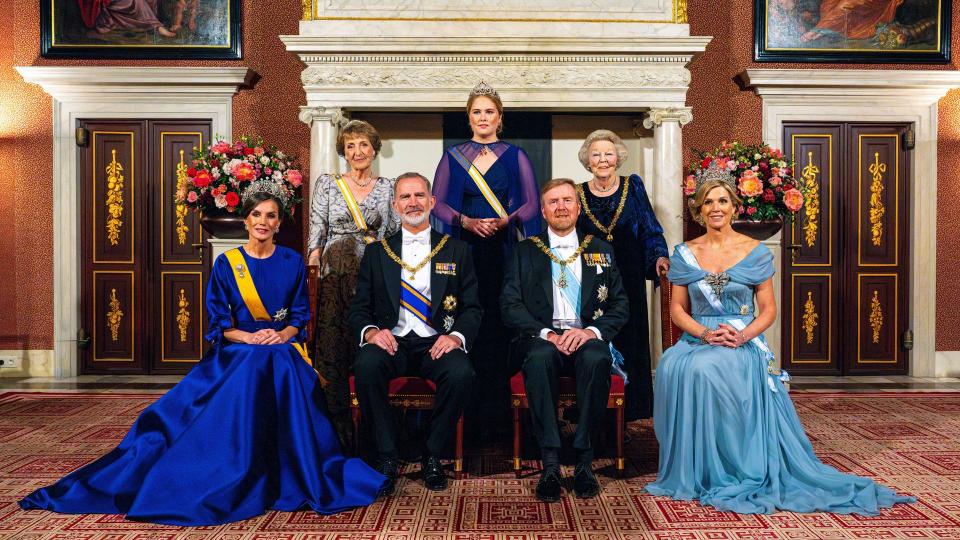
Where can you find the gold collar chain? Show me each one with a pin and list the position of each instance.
(414, 269)
(616, 215)
(562, 282)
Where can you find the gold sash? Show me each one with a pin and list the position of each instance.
(354, 208)
(480, 181)
(248, 291)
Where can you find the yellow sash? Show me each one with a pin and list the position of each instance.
(248, 291)
(480, 181)
(354, 209)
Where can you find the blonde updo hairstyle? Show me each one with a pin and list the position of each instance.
(358, 128)
(695, 203)
(495, 98)
(602, 135)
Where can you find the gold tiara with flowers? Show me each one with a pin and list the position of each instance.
(484, 89)
(715, 172)
(267, 186)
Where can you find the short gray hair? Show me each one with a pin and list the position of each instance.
(602, 135)
(406, 175)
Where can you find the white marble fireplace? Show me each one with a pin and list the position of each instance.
(424, 56)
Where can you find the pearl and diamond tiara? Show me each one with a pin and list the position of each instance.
(267, 186)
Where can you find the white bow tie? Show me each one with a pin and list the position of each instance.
(563, 246)
(411, 240)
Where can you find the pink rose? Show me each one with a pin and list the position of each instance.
(751, 210)
(192, 197)
(220, 147)
(749, 184)
(793, 199)
(294, 177)
(775, 181)
(689, 185)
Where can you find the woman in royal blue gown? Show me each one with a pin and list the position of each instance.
(487, 195)
(244, 431)
(728, 433)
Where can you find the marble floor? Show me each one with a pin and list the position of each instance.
(160, 383)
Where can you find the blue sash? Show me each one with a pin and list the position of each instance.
(415, 302)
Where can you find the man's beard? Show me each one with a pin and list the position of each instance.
(414, 221)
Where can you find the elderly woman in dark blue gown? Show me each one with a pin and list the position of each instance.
(244, 431)
(616, 208)
(487, 195)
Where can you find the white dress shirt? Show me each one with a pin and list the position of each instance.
(414, 248)
(564, 315)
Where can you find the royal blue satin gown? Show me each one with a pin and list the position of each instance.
(728, 432)
(244, 432)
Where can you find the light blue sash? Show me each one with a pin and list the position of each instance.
(714, 300)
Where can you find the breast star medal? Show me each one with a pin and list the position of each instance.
(447, 323)
(450, 302)
(597, 314)
(602, 293)
(280, 315)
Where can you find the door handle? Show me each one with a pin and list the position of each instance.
(83, 339)
(200, 247)
(794, 248)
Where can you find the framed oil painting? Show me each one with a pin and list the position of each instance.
(141, 29)
(852, 31)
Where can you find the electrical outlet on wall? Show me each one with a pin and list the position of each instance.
(7, 362)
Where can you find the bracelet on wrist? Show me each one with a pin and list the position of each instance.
(703, 335)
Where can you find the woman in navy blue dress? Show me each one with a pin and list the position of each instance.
(244, 432)
(487, 195)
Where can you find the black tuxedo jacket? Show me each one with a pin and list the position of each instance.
(377, 301)
(526, 303)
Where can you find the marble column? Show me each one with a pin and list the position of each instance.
(325, 123)
(668, 201)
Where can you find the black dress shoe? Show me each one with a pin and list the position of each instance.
(548, 487)
(388, 468)
(433, 476)
(585, 484)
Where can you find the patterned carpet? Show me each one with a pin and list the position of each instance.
(908, 441)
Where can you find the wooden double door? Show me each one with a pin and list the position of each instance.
(846, 257)
(142, 270)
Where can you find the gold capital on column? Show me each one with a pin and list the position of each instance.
(657, 116)
(309, 9)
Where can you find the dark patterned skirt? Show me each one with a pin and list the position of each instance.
(336, 347)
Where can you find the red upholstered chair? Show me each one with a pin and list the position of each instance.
(407, 393)
(568, 388)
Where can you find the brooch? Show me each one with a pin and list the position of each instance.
(717, 282)
(280, 315)
(240, 270)
(447, 323)
(602, 293)
(450, 302)
(597, 314)
(744, 310)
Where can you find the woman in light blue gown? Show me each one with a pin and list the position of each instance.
(728, 433)
(245, 431)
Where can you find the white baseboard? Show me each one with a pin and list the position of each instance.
(947, 364)
(30, 363)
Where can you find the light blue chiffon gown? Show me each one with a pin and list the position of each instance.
(728, 433)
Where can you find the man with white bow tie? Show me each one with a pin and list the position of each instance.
(564, 296)
(415, 313)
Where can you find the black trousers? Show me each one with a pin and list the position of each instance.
(542, 367)
(452, 373)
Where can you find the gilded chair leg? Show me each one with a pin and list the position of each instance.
(620, 427)
(458, 457)
(355, 416)
(516, 441)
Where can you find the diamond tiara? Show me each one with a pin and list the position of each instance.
(267, 186)
(484, 89)
(715, 172)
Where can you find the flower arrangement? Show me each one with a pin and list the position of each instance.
(219, 173)
(763, 176)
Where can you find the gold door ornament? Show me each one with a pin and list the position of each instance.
(114, 316)
(183, 316)
(181, 210)
(810, 317)
(114, 199)
(680, 11)
(811, 207)
(876, 317)
(877, 209)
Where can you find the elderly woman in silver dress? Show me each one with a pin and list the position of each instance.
(347, 212)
